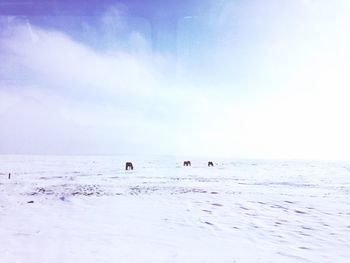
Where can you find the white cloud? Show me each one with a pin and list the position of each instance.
(109, 101)
(276, 87)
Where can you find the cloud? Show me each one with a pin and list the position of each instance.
(58, 62)
(284, 70)
(66, 96)
(268, 80)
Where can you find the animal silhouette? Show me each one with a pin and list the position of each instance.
(187, 163)
(128, 166)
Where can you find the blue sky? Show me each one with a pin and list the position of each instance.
(249, 79)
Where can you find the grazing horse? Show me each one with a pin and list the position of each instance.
(210, 164)
(187, 163)
(129, 165)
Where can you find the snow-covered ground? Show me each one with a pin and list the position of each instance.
(88, 209)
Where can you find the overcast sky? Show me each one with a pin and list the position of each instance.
(247, 79)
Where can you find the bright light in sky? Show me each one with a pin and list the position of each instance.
(250, 79)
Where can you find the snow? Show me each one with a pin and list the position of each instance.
(89, 209)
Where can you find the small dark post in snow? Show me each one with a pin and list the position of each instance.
(210, 164)
(9, 176)
(129, 165)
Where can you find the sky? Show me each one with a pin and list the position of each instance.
(237, 79)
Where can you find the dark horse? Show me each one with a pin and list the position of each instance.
(210, 164)
(187, 163)
(129, 165)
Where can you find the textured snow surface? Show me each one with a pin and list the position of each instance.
(88, 209)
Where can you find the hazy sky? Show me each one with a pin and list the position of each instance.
(250, 79)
